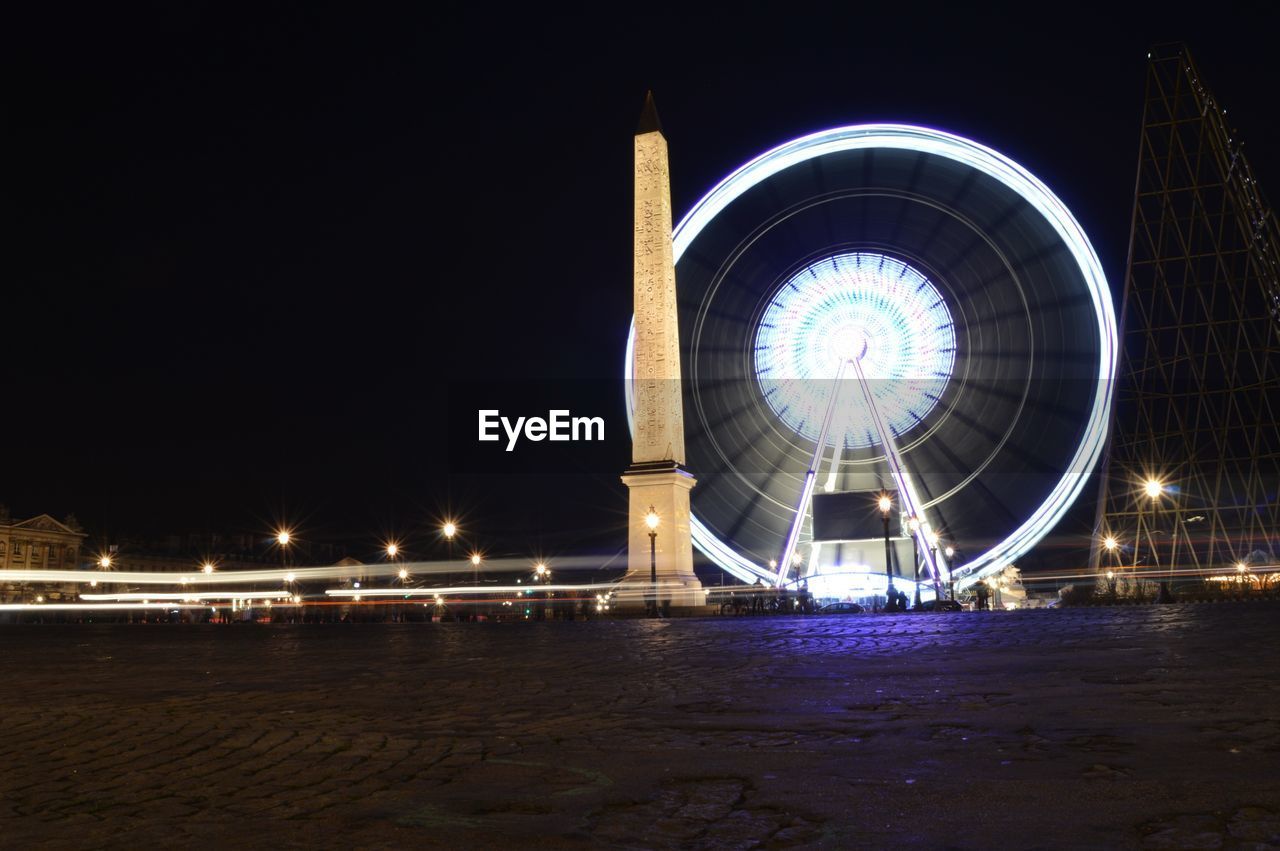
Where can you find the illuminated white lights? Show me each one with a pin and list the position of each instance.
(1000, 168)
(862, 306)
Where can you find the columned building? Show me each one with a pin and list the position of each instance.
(39, 543)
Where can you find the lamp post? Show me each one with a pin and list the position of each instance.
(651, 520)
(1110, 544)
(914, 526)
(449, 530)
(1154, 488)
(475, 579)
(886, 505)
(951, 573)
(542, 574)
(392, 550)
(933, 550)
(283, 537)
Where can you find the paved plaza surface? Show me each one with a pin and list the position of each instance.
(1103, 727)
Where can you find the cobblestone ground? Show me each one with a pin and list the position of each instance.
(1140, 727)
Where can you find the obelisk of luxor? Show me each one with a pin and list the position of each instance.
(656, 478)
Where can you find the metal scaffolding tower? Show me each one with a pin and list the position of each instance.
(1198, 399)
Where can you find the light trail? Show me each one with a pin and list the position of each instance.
(195, 577)
(189, 597)
(475, 590)
(95, 607)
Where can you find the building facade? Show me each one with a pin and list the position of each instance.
(39, 543)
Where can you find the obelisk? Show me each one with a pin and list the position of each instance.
(659, 546)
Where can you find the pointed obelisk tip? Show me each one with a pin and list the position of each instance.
(649, 122)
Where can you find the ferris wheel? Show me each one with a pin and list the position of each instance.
(887, 309)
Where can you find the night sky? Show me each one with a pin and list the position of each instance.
(255, 253)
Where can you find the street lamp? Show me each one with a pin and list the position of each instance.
(1111, 545)
(913, 524)
(475, 569)
(449, 530)
(1154, 488)
(951, 573)
(891, 601)
(933, 550)
(542, 574)
(206, 568)
(651, 520)
(105, 562)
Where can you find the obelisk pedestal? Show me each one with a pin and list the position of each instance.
(656, 479)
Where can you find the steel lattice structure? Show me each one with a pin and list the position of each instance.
(1199, 392)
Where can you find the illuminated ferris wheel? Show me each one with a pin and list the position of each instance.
(887, 309)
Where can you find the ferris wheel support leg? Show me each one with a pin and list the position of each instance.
(810, 479)
(911, 502)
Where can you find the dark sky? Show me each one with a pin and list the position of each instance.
(253, 253)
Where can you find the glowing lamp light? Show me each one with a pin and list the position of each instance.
(1153, 488)
(540, 569)
(104, 562)
(950, 551)
(652, 520)
(403, 574)
(1240, 566)
(289, 577)
(1111, 574)
(1110, 543)
(449, 529)
(207, 567)
(283, 537)
(933, 539)
(913, 524)
(475, 559)
(886, 504)
(392, 549)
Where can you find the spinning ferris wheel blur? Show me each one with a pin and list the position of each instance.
(887, 308)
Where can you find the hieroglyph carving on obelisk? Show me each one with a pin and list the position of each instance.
(659, 421)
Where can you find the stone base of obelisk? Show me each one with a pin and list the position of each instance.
(663, 487)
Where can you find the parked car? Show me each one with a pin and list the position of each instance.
(841, 609)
